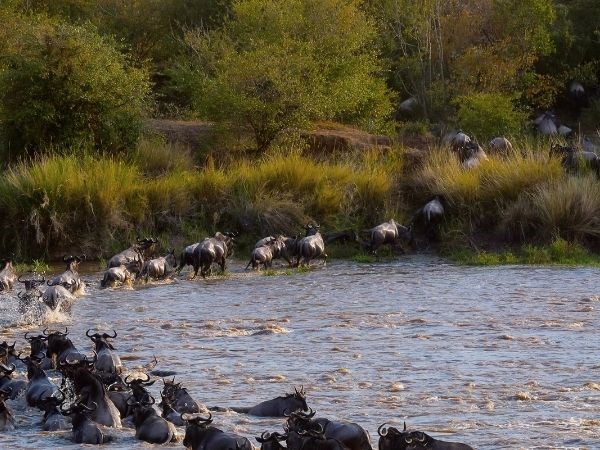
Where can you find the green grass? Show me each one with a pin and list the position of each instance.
(558, 252)
(36, 266)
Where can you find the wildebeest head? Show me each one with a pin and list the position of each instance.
(57, 342)
(303, 421)
(196, 425)
(6, 371)
(297, 400)
(8, 350)
(171, 258)
(393, 439)
(38, 344)
(31, 283)
(311, 229)
(72, 262)
(138, 387)
(101, 340)
(146, 246)
(170, 388)
(271, 441)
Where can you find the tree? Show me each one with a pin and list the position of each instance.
(62, 85)
(280, 64)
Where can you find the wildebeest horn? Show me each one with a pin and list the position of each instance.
(45, 332)
(89, 408)
(404, 426)
(105, 335)
(408, 440)
(151, 402)
(381, 431)
(87, 333)
(27, 332)
(420, 437)
(20, 295)
(19, 279)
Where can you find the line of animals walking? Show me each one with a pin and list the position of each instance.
(96, 393)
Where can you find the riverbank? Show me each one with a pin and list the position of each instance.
(76, 202)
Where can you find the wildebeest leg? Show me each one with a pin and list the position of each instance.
(196, 268)
(223, 264)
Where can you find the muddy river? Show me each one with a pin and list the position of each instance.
(503, 357)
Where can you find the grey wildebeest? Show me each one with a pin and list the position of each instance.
(70, 278)
(501, 145)
(29, 301)
(58, 298)
(161, 267)
(39, 388)
(116, 275)
(266, 253)
(311, 246)
(471, 155)
(7, 276)
(393, 439)
(546, 124)
(199, 435)
(149, 426)
(85, 430)
(7, 421)
(277, 407)
(6, 381)
(212, 250)
(53, 419)
(92, 392)
(187, 257)
(108, 364)
(430, 215)
(572, 159)
(133, 257)
(389, 233)
(352, 435)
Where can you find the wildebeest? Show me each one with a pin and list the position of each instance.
(572, 159)
(430, 215)
(169, 413)
(546, 124)
(344, 237)
(212, 250)
(179, 398)
(279, 406)
(7, 421)
(116, 275)
(32, 295)
(39, 347)
(311, 246)
(133, 257)
(70, 278)
(15, 387)
(393, 439)
(85, 431)
(315, 440)
(389, 233)
(108, 364)
(7, 276)
(159, 268)
(53, 419)
(266, 253)
(271, 441)
(92, 391)
(352, 435)
(471, 155)
(58, 298)
(149, 426)
(62, 348)
(199, 435)
(456, 139)
(501, 144)
(39, 388)
(187, 257)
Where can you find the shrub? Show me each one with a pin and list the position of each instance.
(62, 85)
(486, 115)
(278, 65)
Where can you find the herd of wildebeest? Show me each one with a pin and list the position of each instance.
(96, 393)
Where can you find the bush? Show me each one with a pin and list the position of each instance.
(62, 85)
(487, 115)
(278, 65)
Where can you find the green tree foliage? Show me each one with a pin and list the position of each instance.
(64, 84)
(486, 115)
(277, 65)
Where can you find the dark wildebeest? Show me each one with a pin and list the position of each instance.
(149, 426)
(179, 398)
(70, 278)
(187, 257)
(350, 434)
(160, 268)
(6, 381)
(266, 253)
(30, 299)
(61, 347)
(393, 439)
(7, 276)
(271, 441)
(85, 431)
(279, 406)
(53, 419)
(300, 440)
(501, 145)
(116, 275)
(7, 421)
(546, 124)
(571, 159)
(169, 413)
(92, 391)
(108, 364)
(133, 257)
(311, 246)
(199, 435)
(212, 250)
(387, 233)
(430, 215)
(38, 350)
(39, 388)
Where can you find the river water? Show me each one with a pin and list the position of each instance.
(496, 357)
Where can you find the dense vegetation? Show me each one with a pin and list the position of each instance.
(79, 78)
